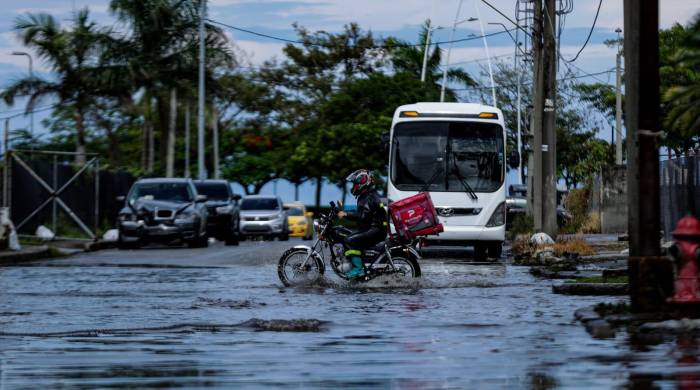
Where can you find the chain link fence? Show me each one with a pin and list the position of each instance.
(677, 195)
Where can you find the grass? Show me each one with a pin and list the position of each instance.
(521, 246)
(575, 245)
(601, 279)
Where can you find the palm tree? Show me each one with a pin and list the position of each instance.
(684, 100)
(408, 58)
(159, 54)
(70, 53)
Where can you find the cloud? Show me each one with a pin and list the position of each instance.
(256, 53)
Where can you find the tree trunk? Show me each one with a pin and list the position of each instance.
(296, 192)
(215, 142)
(151, 148)
(80, 138)
(344, 190)
(319, 186)
(187, 139)
(114, 147)
(170, 152)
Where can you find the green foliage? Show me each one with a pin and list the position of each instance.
(522, 224)
(681, 64)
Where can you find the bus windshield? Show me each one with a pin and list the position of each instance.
(446, 156)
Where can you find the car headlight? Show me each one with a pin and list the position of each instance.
(185, 217)
(127, 217)
(224, 209)
(498, 217)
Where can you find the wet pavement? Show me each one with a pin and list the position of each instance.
(170, 317)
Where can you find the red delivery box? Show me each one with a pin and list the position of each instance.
(415, 216)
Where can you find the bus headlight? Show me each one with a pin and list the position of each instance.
(498, 217)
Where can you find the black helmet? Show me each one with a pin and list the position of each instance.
(361, 180)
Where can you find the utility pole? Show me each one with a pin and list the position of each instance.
(544, 183)
(618, 102)
(31, 76)
(426, 50)
(535, 191)
(201, 169)
(650, 276)
(549, 132)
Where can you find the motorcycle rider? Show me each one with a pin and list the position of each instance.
(371, 218)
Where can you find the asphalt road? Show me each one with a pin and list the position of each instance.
(216, 255)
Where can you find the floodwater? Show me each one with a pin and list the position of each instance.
(461, 326)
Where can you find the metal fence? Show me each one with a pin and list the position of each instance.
(46, 188)
(676, 194)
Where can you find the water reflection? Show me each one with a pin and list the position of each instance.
(461, 326)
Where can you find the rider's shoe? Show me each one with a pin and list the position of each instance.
(358, 268)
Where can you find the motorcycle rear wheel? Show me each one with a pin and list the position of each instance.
(290, 271)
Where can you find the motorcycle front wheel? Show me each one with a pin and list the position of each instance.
(293, 272)
(406, 267)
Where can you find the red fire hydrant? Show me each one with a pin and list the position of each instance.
(686, 253)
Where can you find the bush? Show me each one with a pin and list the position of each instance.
(591, 225)
(522, 224)
(577, 203)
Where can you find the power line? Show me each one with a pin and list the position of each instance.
(298, 42)
(517, 26)
(480, 59)
(38, 109)
(600, 2)
(530, 82)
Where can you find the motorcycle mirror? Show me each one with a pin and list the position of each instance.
(332, 204)
(340, 204)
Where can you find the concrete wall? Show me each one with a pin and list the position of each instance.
(609, 199)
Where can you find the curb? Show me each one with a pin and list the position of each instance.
(591, 289)
(29, 253)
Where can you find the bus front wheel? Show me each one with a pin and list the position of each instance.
(495, 249)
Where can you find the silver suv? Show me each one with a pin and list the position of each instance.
(263, 216)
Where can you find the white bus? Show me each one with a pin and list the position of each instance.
(456, 152)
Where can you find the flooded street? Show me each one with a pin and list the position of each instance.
(181, 318)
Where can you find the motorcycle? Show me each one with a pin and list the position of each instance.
(305, 265)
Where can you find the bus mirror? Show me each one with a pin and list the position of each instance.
(385, 141)
(513, 159)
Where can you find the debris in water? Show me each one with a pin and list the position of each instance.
(226, 303)
(302, 325)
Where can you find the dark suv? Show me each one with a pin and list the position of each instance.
(223, 210)
(163, 210)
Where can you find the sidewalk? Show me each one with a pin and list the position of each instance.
(49, 250)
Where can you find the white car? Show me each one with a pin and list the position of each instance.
(263, 215)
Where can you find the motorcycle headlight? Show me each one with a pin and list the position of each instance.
(498, 217)
(224, 209)
(317, 227)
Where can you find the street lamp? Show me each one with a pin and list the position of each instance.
(519, 99)
(488, 56)
(425, 52)
(449, 49)
(31, 75)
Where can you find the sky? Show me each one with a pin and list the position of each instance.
(383, 17)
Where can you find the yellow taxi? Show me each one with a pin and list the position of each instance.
(299, 220)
